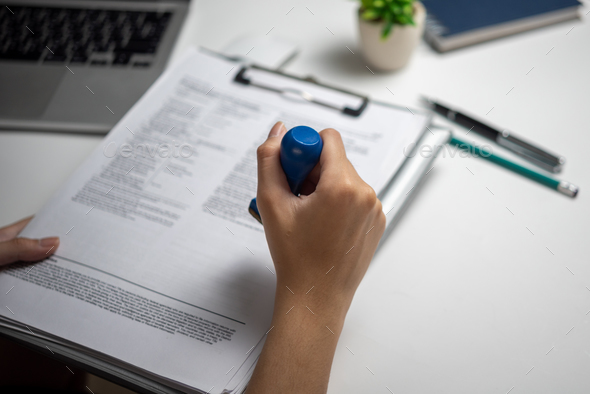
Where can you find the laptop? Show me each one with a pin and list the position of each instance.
(79, 65)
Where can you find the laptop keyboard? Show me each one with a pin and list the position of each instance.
(98, 37)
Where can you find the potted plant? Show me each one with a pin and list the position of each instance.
(390, 30)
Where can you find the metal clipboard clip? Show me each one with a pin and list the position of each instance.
(301, 94)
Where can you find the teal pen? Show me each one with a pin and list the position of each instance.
(563, 187)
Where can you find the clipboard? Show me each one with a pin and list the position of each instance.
(395, 198)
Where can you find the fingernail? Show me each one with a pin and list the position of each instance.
(49, 241)
(276, 129)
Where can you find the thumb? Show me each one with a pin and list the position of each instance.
(26, 249)
(272, 183)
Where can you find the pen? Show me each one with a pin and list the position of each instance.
(563, 187)
(538, 156)
(300, 151)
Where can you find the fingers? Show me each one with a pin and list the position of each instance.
(335, 168)
(14, 249)
(13, 229)
(311, 181)
(271, 178)
(333, 146)
(26, 249)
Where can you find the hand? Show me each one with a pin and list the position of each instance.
(335, 227)
(321, 244)
(13, 248)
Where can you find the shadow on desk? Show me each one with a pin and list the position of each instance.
(337, 56)
(24, 371)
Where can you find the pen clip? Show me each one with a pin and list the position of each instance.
(531, 153)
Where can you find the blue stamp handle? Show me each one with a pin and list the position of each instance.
(300, 151)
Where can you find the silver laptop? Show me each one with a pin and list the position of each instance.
(79, 65)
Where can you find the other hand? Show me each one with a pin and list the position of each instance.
(14, 248)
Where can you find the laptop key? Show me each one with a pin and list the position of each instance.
(99, 62)
(55, 58)
(101, 48)
(138, 46)
(122, 58)
(79, 57)
(57, 54)
(142, 64)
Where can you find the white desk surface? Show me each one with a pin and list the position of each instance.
(487, 274)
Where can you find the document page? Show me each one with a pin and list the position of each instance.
(160, 264)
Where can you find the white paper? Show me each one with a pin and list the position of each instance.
(160, 265)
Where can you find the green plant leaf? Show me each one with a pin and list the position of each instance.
(378, 4)
(366, 4)
(369, 15)
(392, 12)
(386, 30)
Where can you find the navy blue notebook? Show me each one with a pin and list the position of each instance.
(452, 24)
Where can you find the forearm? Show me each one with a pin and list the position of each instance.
(300, 346)
(321, 243)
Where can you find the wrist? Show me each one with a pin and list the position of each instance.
(313, 306)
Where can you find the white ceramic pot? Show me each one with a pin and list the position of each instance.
(394, 52)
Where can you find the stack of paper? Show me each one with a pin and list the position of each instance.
(161, 270)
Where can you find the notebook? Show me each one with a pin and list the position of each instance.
(161, 270)
(452, 24)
